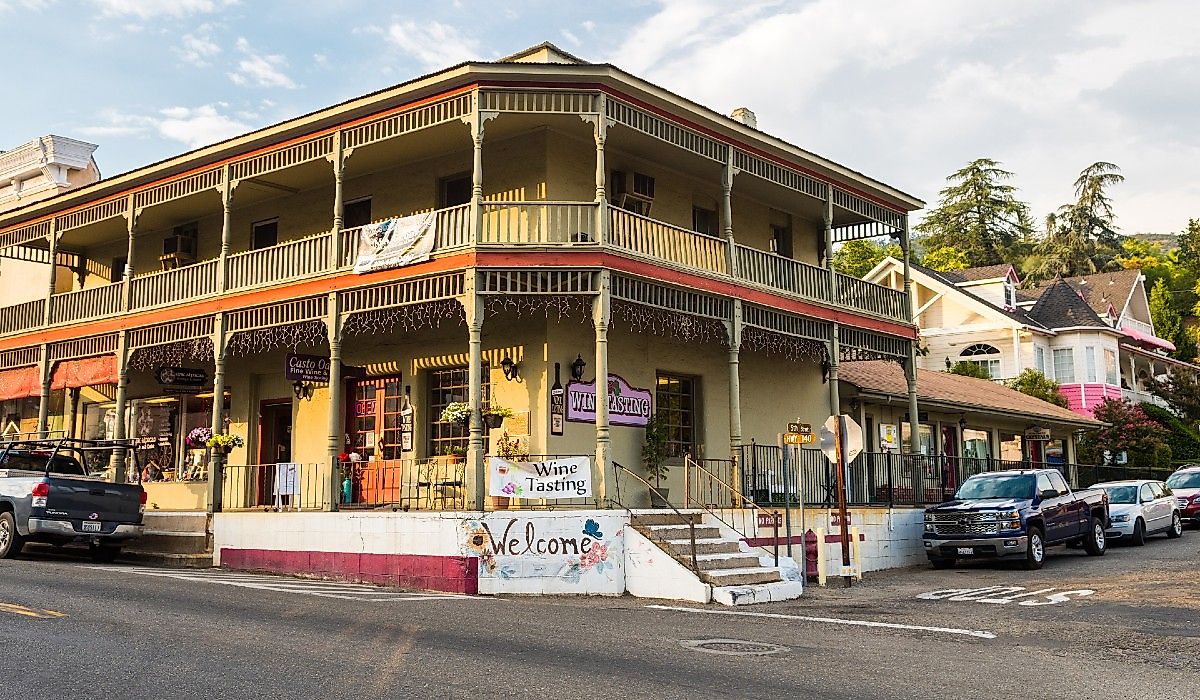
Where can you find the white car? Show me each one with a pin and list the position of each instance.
(1139, 508)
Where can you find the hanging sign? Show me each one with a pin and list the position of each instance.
(306, 368)
(558, 404)
(1037, 434)
(627, 405)
(889, 436)
(181, 380)
(406, 429)
(395, 242)
(549, 479)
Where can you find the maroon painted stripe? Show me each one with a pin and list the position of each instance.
(425, 572)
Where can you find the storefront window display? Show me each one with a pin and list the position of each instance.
(924, 435)
(160, 425)
(976, 444)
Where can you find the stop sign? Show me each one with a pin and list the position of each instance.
(853, 439)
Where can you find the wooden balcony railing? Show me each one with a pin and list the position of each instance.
(662, 241)
(84, 304)
(279, 263)
(504, 224)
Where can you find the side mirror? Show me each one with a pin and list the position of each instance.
(1048, 494)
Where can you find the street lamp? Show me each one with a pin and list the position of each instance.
(509, 367)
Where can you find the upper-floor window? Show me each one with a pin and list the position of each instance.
(984, 355)
(117, 272)
(634, 194)
(1039, 359)
(1089, 362)
(1111, 370)
(454, 190)
(781, 240)
(356, 213)
(1064, 366)
(264, 234)
(704, 221)
(1010, 295)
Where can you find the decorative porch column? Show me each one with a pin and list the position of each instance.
(473, 306)
(601, 134)
(476, 125)
(914, 437)
(727, 173)
(333, 324)
(216, 463)
(53, 268)
(226, 230)
(43, 427)
(735, 392)
(117, 463)
(339, 167)
(827, 219)
(127, 277)
(601, 316)
(835, 352)
(70, 409)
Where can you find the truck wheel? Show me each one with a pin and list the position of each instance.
(10, 541)
(1139, 534)
(1035, 551)
(104, 555)
(943, 562)
(1176, 526)
(1095, 544)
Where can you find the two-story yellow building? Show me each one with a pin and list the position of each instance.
(531, 224)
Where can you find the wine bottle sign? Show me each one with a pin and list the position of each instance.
(558, 403)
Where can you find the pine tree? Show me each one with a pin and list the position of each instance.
(1081, 238)
(978, 214)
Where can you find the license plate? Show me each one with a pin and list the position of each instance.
(961, 550)
(90, 526)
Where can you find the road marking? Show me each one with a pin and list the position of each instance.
(1003, 595)
(283, 584)
(833, 621)
(29, 612)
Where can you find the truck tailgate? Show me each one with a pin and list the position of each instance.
(80, 499)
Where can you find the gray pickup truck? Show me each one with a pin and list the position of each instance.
(47, 495)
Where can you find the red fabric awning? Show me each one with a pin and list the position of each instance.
(90, 371)
(1148, 339)
(20, 383)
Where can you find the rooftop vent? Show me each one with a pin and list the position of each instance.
(745, 116)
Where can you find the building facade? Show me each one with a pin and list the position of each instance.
(325, 288)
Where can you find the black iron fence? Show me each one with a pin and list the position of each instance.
(274, 487)
(771, 476)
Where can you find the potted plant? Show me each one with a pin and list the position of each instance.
(451, 455)
(456, 412)
(224, 442)
(654, 459)
(493, 416)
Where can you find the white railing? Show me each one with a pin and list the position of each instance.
(86, 304)
(453, 227)
(278, 263)
(538, 222)
(1135, 325)
(662, 241)
(174, 286)
(870, 297)
(22, 317)
(778, 272)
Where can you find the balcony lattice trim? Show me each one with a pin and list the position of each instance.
(543, 101)
(172, 354)
(393, 125)
(790, 347)
(639, 291)
(539, 282)
(175, 332)
(654, 320)
(25, 234)
(281, 158)
(92, 214)
(402, 293)
(178, 189)
(426, 314)
(664, 130)
(778, 174)
(754, 316)
(293, 336)
(20, 357)
(870, 210)
(869, 229)
(857, 344)
(282, 314)
(84, 347)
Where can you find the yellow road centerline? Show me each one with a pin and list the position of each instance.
(16, 609)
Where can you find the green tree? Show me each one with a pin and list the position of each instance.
(1167, 322)
(857, 258)
(969, 369)
(946, 259)
(1189, 247)
(1081, 238)
(1181, 391)
(978, 214)
(1033, 383)
(1128, 429)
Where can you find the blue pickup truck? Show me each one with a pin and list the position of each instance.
(1015, 514)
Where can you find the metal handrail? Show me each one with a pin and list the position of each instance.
(618, 468)
(736, 496)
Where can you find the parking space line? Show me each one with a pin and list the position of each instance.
(24, 611)
(978, 634)
(282, 584)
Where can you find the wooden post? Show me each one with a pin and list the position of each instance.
(339, 165)
(226, 230)
(127, 278)
(477, 174)
(601, 316)
(53, 269)
(727, 173)
(601, 172)
(43, 427)
(827, 218)
(216, 463)
(735, 390)
(70, 409)
(473, 306)
(117, 463)
(333, 325)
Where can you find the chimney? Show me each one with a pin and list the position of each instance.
(745, 116)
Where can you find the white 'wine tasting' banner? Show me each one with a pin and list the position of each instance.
(569, 477)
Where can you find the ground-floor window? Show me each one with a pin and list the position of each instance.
(1012, 447)
(376, 421)
(924, 437)
(976, 444)
(160, 425)
(447, 386)
(676, 408)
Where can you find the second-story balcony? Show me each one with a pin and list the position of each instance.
(505, 225)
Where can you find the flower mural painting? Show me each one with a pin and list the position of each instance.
(547, 553)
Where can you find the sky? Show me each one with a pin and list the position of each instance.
(906, 92)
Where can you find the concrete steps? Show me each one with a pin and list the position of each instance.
(174, 539)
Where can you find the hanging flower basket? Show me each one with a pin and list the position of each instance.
(456, 412)
(224, 443)
(198, 438)
(494, 416)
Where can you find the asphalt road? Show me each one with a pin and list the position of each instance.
(71, 630)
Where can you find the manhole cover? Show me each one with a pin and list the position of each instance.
(733, 647)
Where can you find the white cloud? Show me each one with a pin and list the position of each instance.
(588, 25)
(263, 70)
(197, 49)
(434, 45)
(148, 9)
(570, 36)
(193, 126)
(30, 5)
(909, 92)
(321, 60)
